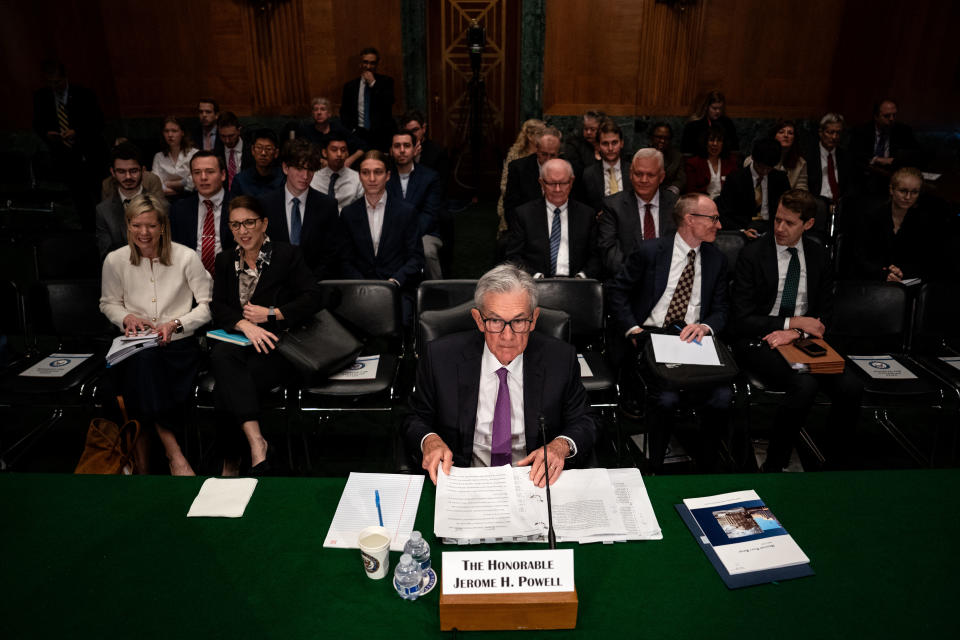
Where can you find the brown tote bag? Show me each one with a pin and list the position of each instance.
(109, 448)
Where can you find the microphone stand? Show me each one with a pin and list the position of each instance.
(551, 534)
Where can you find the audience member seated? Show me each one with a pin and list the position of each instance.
(884, 142)
(783, 292)
(708, 170)
(901, 240)
(606, 177)
(747, 194)
(523, 175)
(583, 150)
(322, 126)
(198, 221)
(420, 187)
(265, 174)
(829, 168)
(172, 165)
(336, 179)
(709, 116)
(157, 285)
(236, 153)
(260, 289)
(126, 171)
(206, 133)
(555, 236)
(643, 212)
(148, 180)
(381, 234)
(367, 103)
(661, 137)
(791, 162)
(302, 216)
(523, 146)
(483, 393)
(678, 281)
(429, 154)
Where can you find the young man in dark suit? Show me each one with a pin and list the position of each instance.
(206, 135)
(127, 171)
(555, 236)
(367, 102)
(783, 292)
(200, 220)
(430, 153)
(301, 215)
(750, 195)
(605, 178)
(231, 145)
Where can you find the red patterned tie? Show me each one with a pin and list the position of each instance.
(832, 177)
(649, 228)
(231, 167)
(208, 244)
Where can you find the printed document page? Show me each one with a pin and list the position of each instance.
(671, 349)
(480, 503)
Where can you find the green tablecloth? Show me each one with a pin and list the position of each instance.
(116, 557)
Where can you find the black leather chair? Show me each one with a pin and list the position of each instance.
(68, 256)
(730, 244)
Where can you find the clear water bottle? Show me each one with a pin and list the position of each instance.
(418, 548)
(406, 578)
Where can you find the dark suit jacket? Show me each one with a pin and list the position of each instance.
(637, 288)
(423, 192)
(903, 146)
(400, 255)
(698, 173)
(580, 154)
(815, 176)
(319, 239)
(183, 222)
(448, 386)
(111, 225)
(381, 107)
(285, 283)
(529, 244)
(756, 284)
(523, 184)
(435, 156)
(919, 248)
(737, 201)
(675, 170)
(620, 229)
(83, 114)
(594, 181)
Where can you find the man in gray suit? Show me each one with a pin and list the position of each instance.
(643, 212)
(127, 171)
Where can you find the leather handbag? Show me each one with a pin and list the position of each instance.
(109, 448)
(320, 347)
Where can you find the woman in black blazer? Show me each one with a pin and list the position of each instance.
(259, 289)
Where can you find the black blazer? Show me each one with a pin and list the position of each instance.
(400, 255)
(184, 214)
(423, 193)
(523, 183)
(919, 248)
(756, 284)
(637, 288)
(594, 180)
(737, 202)
(815, 177)
(903, 146)
(620, 228)
(83, 114)
(529, 243)
(285, 283)
(319, 238)
(381, 105)
(435, 156)
(448, 387)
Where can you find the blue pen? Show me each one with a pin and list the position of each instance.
(695, 341)
(379, 512)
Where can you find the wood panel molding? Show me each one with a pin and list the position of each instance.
(274, 31)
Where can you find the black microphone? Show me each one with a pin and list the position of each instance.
(551, 534)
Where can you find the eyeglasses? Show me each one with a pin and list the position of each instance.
(712, 219)
(249, 223)
(911, 193)
(127, 172)
(496, 325)
(557, 185)
(259, 148)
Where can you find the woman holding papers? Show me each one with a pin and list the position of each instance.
(260, 288)
(158, 286)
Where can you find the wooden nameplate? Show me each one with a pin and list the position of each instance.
(509, 611)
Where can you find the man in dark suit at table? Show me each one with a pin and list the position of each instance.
(642, 212)
(750, 195)
(604, 178)
(301, 215)
(523, 174)
(200, 220)
(555, 236)
(679, 280)
(206, 135)
(829, 171)
(231, 145)
(782, 292)
(419, 186)
(127, 171)
(367, 102)
(479, 395)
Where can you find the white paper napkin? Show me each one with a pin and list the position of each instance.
(222, 498)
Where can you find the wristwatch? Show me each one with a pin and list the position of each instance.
(179, 324)
(272, 313)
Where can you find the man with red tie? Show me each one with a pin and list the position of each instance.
(643, 212)
(236, 153)
(199, 221)
(828, 166)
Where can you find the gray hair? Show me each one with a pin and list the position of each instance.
(569, 167)
(649, 152)
(320, 100)
(505, 278)
(550, 131)
(830, 118)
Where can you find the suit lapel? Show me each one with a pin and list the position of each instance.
(662, 267)
(533, 375)
(282, 233)
(362, 227)
(708, 265)
(468, 389)
(308, 220)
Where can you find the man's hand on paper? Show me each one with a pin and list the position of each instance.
(693, 332)
(436, 452)
(557, 452)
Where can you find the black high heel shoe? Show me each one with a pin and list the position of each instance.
(267, 467)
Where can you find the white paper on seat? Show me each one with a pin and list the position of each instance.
(56, 365)
(671, 349)
(364, 368)
(222, 498)
(585, 370)
(357, 509)
(883, 367)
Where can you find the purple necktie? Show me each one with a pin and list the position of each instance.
(500, 436)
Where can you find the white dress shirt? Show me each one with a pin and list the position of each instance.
(347, 189)
(764, 206)
(654, 211)
(160, 293)
(715, 186)
(288, 206)
(606, 176)
(487, 402)
(783, 262)
(236, 152)
(375, 215)
(678, 260)
(167, 169)
(563, 257)
(825, 182)
(404, 181)
(217, 200)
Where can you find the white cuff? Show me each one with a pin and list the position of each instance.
(573, 446)
(424, 438)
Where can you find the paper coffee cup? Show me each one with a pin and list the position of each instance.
(375, 551)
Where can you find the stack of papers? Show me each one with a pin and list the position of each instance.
(500, 504)
(399, 500)
(125, 346)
